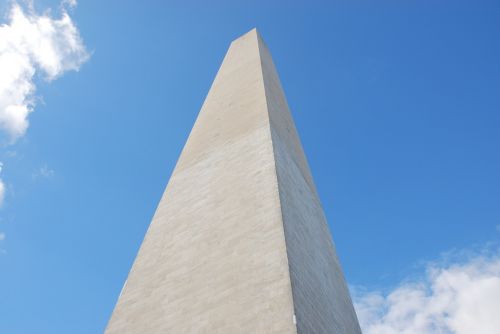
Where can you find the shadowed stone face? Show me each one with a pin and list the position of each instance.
(239, 242)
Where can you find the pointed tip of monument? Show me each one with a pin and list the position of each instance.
(254, 31)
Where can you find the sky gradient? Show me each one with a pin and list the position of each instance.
(398, 109)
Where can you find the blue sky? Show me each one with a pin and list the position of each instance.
(398, 108)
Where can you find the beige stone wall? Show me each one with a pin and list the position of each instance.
(214, 258)
(239, 223)
(321, 299)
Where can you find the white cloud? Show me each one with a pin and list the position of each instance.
(461, 298)
(2, 236)
(32, 43)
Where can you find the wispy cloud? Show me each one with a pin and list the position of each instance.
(32, 43)
(2, 192)
(2, 186)
(69, 3)
(2, 238)
(43, 172)
(461, 297)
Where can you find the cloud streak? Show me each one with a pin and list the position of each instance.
(29, 44)
(2, 186)
(43, 172)
(461, 297)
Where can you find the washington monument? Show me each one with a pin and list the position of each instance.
(239, 242)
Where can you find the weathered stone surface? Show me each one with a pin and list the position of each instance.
(239, 242)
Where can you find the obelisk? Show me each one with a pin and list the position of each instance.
(239, 242)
